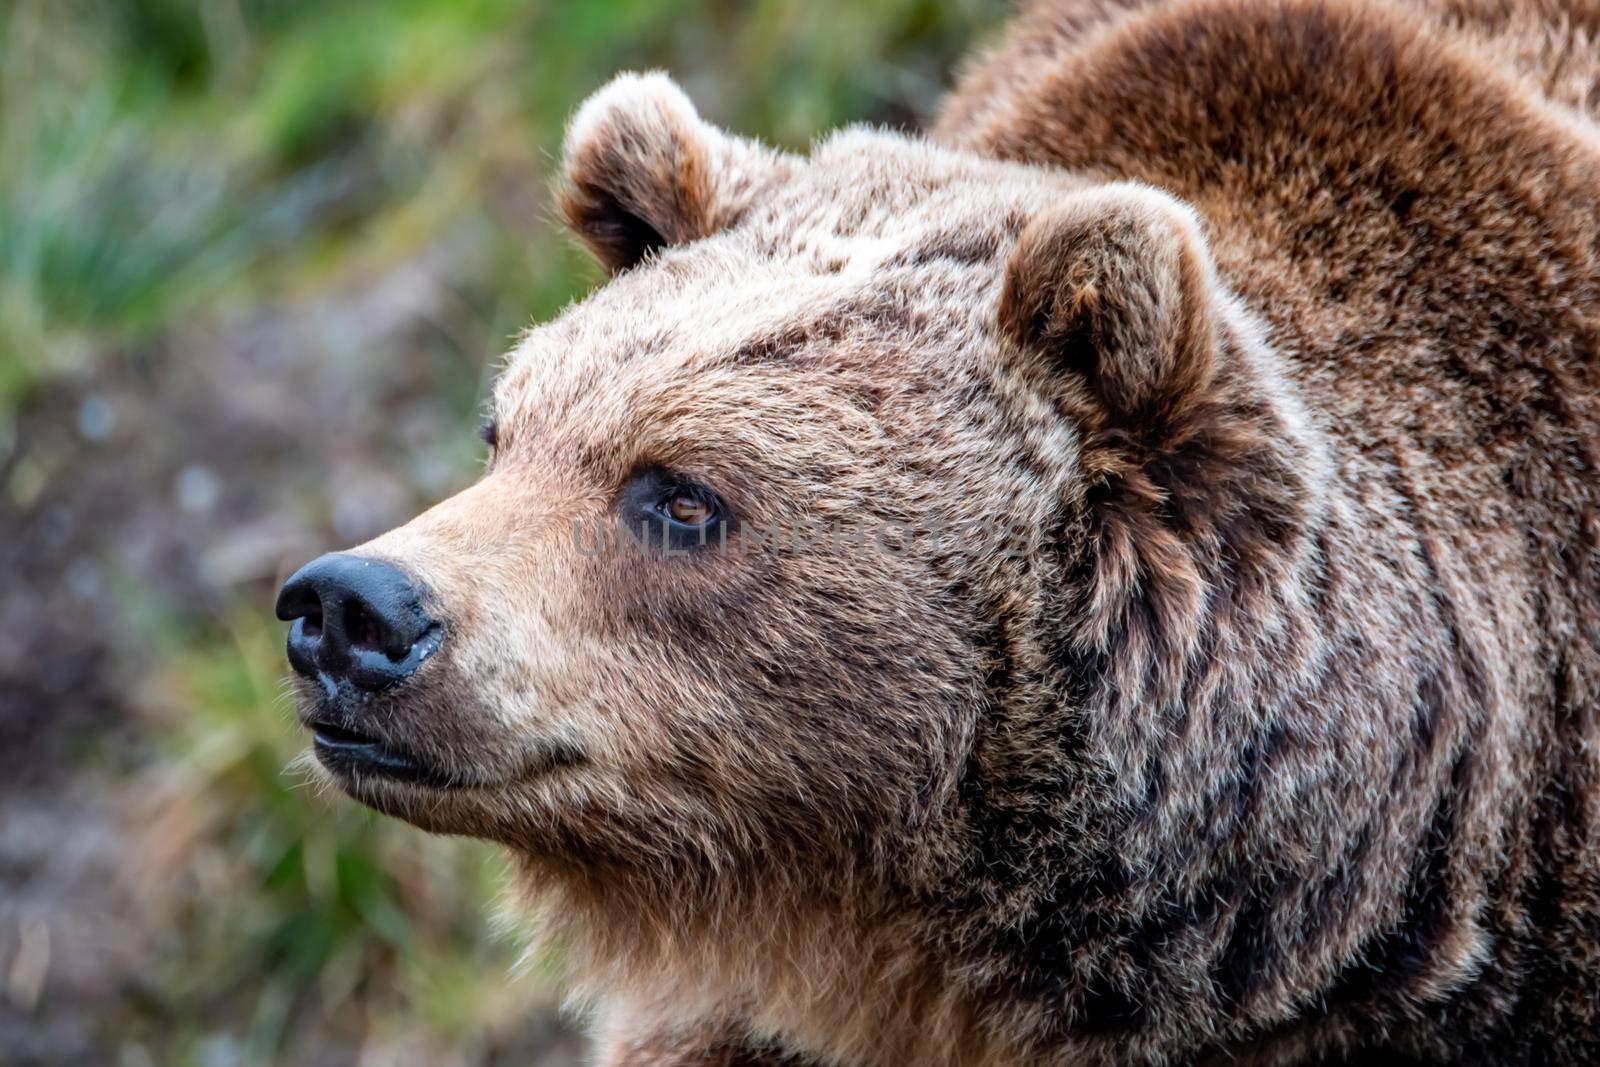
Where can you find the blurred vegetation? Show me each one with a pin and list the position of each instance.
(257, 260)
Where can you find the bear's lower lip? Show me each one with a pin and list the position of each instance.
(345, 752)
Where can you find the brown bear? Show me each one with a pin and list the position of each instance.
(1114, 581)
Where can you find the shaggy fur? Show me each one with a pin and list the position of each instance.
(1274, 327)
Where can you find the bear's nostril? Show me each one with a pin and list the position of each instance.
(312, 623)
(364, 630)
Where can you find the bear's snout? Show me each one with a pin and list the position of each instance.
(355, 620)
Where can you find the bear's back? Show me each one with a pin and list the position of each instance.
(1404, 209)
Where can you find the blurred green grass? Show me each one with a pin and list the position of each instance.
(170, 169)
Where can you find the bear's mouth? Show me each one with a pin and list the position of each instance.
(347, 753)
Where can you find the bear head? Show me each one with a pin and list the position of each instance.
(809, 542)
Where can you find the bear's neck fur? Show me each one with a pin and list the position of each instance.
(1399, 786)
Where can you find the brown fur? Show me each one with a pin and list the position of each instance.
(1276, 323)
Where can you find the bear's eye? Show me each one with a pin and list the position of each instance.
(688, 509)
(663, 509)
(490, 432)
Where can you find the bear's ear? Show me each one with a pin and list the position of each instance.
(1116, 285)
(642, 170)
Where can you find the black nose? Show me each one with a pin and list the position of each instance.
(356, 620)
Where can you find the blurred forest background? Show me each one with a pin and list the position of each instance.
(258, 259)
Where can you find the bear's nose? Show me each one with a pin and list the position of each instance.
(356, 620)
